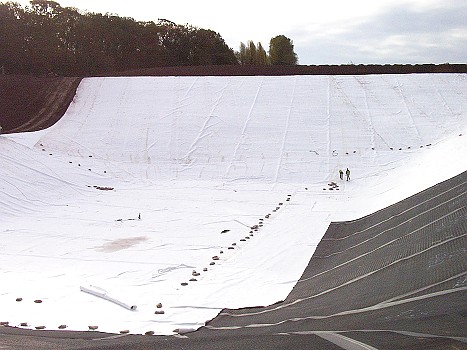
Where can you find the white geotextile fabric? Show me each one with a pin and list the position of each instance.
(145, 180)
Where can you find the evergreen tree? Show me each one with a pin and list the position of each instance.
(261, 55)
(251, 53)
(281, 51)
(241, 54)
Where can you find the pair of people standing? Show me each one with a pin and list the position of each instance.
(347, 174)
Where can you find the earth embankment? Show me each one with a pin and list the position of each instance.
(34, 103)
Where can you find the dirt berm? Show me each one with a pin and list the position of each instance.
(30, 103)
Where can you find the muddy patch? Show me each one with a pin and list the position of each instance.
(120, 244)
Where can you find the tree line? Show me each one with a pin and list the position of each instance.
(46, 38)
(281, 52)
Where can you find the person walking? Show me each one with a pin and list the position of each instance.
(341, 174)
(347, 173)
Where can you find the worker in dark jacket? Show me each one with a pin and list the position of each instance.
(347, 173)
(341, 174)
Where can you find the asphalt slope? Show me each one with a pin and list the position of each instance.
(401, 269)
(396, 279)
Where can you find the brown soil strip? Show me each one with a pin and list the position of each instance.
(34, 103)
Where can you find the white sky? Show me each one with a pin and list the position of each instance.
(323, 32)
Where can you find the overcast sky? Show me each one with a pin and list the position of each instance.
(323, 32)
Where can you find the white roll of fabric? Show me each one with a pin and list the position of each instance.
(102, 293)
